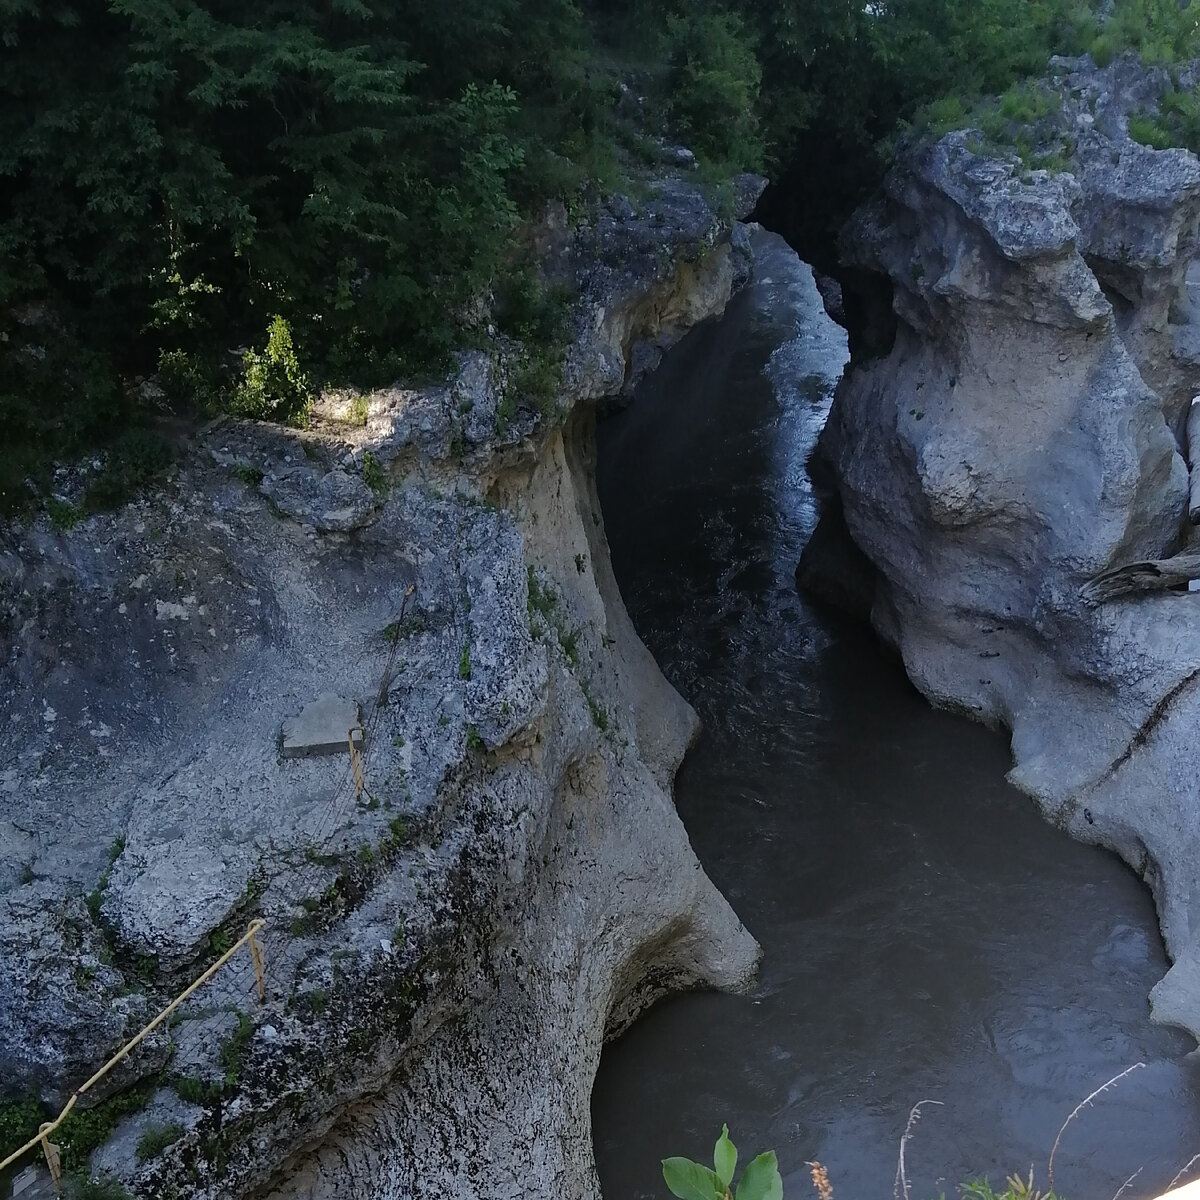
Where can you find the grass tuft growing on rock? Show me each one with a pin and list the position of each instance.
(156, 1139)
(235, 1048)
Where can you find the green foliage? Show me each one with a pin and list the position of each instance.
(348, 175)
(202, 1092)
(1148, 130)
(539, 318)
(1177, 122)
(251, 476)
(156, 1139)
(87, 1188)
(1016, 1188)
(374, 475)
(96, 896)
(64, 516)
(86, 1130)
(1027, 103)
(273, 387)
(19, 1122)
(568, 639)
(274, 198)
(541, 600)
(599, 713)
(842, 81)
(714, 86)
(1161, 31)
(464, 662)
(133, 461)
(395, 837)
(235, 1048)
(314, 1001)
(693, 1181)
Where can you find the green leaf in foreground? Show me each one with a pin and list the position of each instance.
(761, 1179)
(690, 1180)
(725, 1157)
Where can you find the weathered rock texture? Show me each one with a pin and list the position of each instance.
(1025, 348)
(445, 954)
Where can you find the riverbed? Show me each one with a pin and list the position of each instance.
(926, 935)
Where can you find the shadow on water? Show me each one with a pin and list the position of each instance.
(926, 934)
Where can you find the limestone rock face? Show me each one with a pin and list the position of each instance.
(445, 951)
(1010, 427)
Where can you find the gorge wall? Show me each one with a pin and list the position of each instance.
(445, 953)
(1025, 348)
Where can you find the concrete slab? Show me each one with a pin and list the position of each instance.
(322, 727)
(33, 1183)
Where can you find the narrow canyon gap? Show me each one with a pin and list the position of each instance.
(926, 934)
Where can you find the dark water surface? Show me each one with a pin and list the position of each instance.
(926, 934)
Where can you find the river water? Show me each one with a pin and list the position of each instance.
(926, 935)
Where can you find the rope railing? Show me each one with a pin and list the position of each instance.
(53, 1161)
(356, 779)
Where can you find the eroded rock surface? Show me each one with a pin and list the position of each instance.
(1011, 426)
(445, 952)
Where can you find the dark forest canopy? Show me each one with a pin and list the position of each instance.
(240, 202)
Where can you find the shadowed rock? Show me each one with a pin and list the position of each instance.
(1006, 446)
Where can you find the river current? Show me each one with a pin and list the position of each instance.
(926, 935)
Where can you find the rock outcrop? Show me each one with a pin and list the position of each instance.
(446, 952)
(1025, 346)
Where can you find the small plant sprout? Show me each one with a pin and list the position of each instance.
(693, 1181)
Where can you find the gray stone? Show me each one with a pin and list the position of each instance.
(444, 961)
(1008, 430)
(326, 726)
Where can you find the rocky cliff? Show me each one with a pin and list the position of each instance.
(445, 951)
(1025, 346)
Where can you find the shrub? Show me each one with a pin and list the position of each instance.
(86, 1130)
(273, 387)
(714, 85)
(1149, 131)
(19, 1122)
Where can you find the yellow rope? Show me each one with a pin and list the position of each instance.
(133, 1043)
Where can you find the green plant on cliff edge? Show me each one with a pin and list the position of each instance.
(694, 1181)
(1017, 1189)
(82, 1188)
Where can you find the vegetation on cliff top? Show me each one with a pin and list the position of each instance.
(212, 206)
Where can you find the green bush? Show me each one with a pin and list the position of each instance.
(352, 175)
(714, 85)
(1161, 31)
(1149, 131)
(355, 170)
(1015, 1188)
(19, 1121)
(273, 387)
